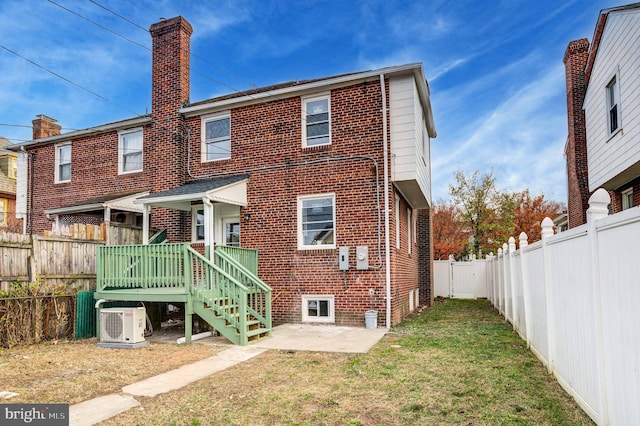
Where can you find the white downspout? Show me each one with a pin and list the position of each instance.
(146, 211)
(387, 254)
(209, 236)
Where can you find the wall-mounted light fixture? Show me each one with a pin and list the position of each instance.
(247, 216)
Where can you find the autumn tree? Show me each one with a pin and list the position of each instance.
(530, 211)
(491, 216)
(450, 237)
(476, 198)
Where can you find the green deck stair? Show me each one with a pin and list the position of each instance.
(226, 293)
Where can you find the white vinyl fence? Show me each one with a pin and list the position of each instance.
(575, 298)
(465, 280)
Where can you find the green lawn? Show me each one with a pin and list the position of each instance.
(456, 363)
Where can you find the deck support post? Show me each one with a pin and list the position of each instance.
(188, 319)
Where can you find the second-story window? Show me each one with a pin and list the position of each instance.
(316, 121)
(63, 162)
(613, 105)
(130, 151)
(216, 137)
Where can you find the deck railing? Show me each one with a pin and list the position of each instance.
(229, 285)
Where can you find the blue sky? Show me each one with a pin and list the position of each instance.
(494, 66)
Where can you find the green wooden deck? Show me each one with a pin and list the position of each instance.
(226, 293)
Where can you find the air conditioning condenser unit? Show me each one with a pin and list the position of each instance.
(122, 325)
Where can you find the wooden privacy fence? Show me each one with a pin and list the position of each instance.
(68, 259)
(573, 297)
(52, 261)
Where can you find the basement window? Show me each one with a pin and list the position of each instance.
(318, 308)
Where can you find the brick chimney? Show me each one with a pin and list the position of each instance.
(169, 92)
(44, 126)
(575, 60)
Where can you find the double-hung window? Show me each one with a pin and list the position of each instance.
(4, 207)
(316, 121)
(216, 137)
(613, 105)
(63, 162)
(627, 199)
(316, 222)
(197, 224)
(130, 151)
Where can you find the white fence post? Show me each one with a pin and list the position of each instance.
(598, 208)
(512, 283)
(547, 231)
(499, 270)
(526, 290)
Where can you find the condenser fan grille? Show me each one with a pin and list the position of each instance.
(113, 325)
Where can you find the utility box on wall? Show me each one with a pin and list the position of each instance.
(362, 257)
(343, 258)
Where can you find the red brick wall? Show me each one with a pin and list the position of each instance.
(575, 59)
(94, 172)
(270, 134)
(266, 144)
(425, 259)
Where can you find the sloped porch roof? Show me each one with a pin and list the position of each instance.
(228, 189)
(119, 201)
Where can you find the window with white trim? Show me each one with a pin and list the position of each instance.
(63, 162)
(4, 210)
(316, 222)
(627, 198)
(316, 121)
(318, 308)
(232, 233)
(216, 137)
(613, 105)
(130, 143)
(197, 223)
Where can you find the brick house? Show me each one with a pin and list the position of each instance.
(317, 175)
(8, 167)
(603, 144)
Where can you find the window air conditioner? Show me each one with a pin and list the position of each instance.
(122, 325)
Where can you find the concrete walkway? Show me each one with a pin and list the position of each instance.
(294, 337)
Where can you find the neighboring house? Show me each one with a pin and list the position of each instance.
(317, 175)
(603, 109)
(8, 168)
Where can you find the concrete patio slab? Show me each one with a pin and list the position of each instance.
(322, 338)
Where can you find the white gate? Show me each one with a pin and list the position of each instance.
(463, 280)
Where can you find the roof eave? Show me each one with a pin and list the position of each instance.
(125, 124)
(299, 88)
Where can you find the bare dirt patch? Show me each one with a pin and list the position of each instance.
(74, 371)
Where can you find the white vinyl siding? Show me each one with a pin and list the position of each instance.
(216, 137)
(316, 120)
(130, 143)
(610, 154)
(63, 162)
(409, 142)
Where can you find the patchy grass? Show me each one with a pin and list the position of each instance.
(71, 372)
(456, 363)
